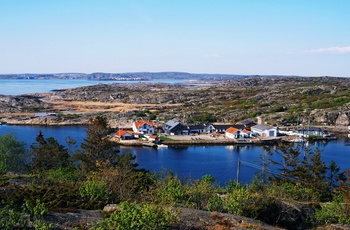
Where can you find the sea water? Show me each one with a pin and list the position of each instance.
(189, 161)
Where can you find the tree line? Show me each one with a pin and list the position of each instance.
(295, 188)
(47, 154)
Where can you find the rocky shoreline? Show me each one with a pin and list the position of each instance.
(204, 139)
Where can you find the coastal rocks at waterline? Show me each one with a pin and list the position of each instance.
(47, 120)
(341, 118)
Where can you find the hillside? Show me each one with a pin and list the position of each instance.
(277, 100)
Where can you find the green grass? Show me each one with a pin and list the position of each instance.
(164, 138)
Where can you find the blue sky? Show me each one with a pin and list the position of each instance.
(279, 37)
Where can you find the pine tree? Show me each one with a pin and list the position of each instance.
(47, 154)
(334, 176)
(300, 164)
(97, 150)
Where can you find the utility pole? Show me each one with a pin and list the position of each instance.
(238, 169)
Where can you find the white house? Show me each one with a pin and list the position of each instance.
(246, 133)
(143, 127)
(264, 131)
(233, 133)
(124, 134)
(152, 137)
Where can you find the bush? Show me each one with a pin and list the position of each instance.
(12, 154)
(293, 191)
(170, 191)
(63, 175)
(236, 200)
(278, 108)
(138, 216)
(127, 184)
(141, 114)
(245, 202)
(36, 210)
(16, 218)
(254, 114)
(204, 117)
(198, 192)
(335, 212)
(95, 188)
(215, 203)
(10, 218)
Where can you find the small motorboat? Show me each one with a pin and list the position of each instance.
(162, 146)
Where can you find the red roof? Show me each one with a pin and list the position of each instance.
(139, 123)
(121, 133)
(153, 136)
(231, 130)
(245, 131)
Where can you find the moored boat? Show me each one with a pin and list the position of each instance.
(298, 140)
(162, 146)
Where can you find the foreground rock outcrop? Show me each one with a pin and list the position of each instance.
(189, 219)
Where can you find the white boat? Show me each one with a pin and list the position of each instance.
(298, 140)
(162, 146)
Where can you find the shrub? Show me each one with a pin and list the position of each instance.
(63, 175)
(293, 191)
(254, 114)
(236, 200)
(126, 183)
(16, 218)
(198, 192)
(138, 216)
(12, 154)
(95, 188)
(10, 218)
(204, 117)
(36, 210)
(333, 212)
(170, 190)
(278, 108)
(141, 114)
(215, 203)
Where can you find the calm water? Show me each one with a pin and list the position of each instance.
(24, 86)
(28, 134)
(192, 161)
